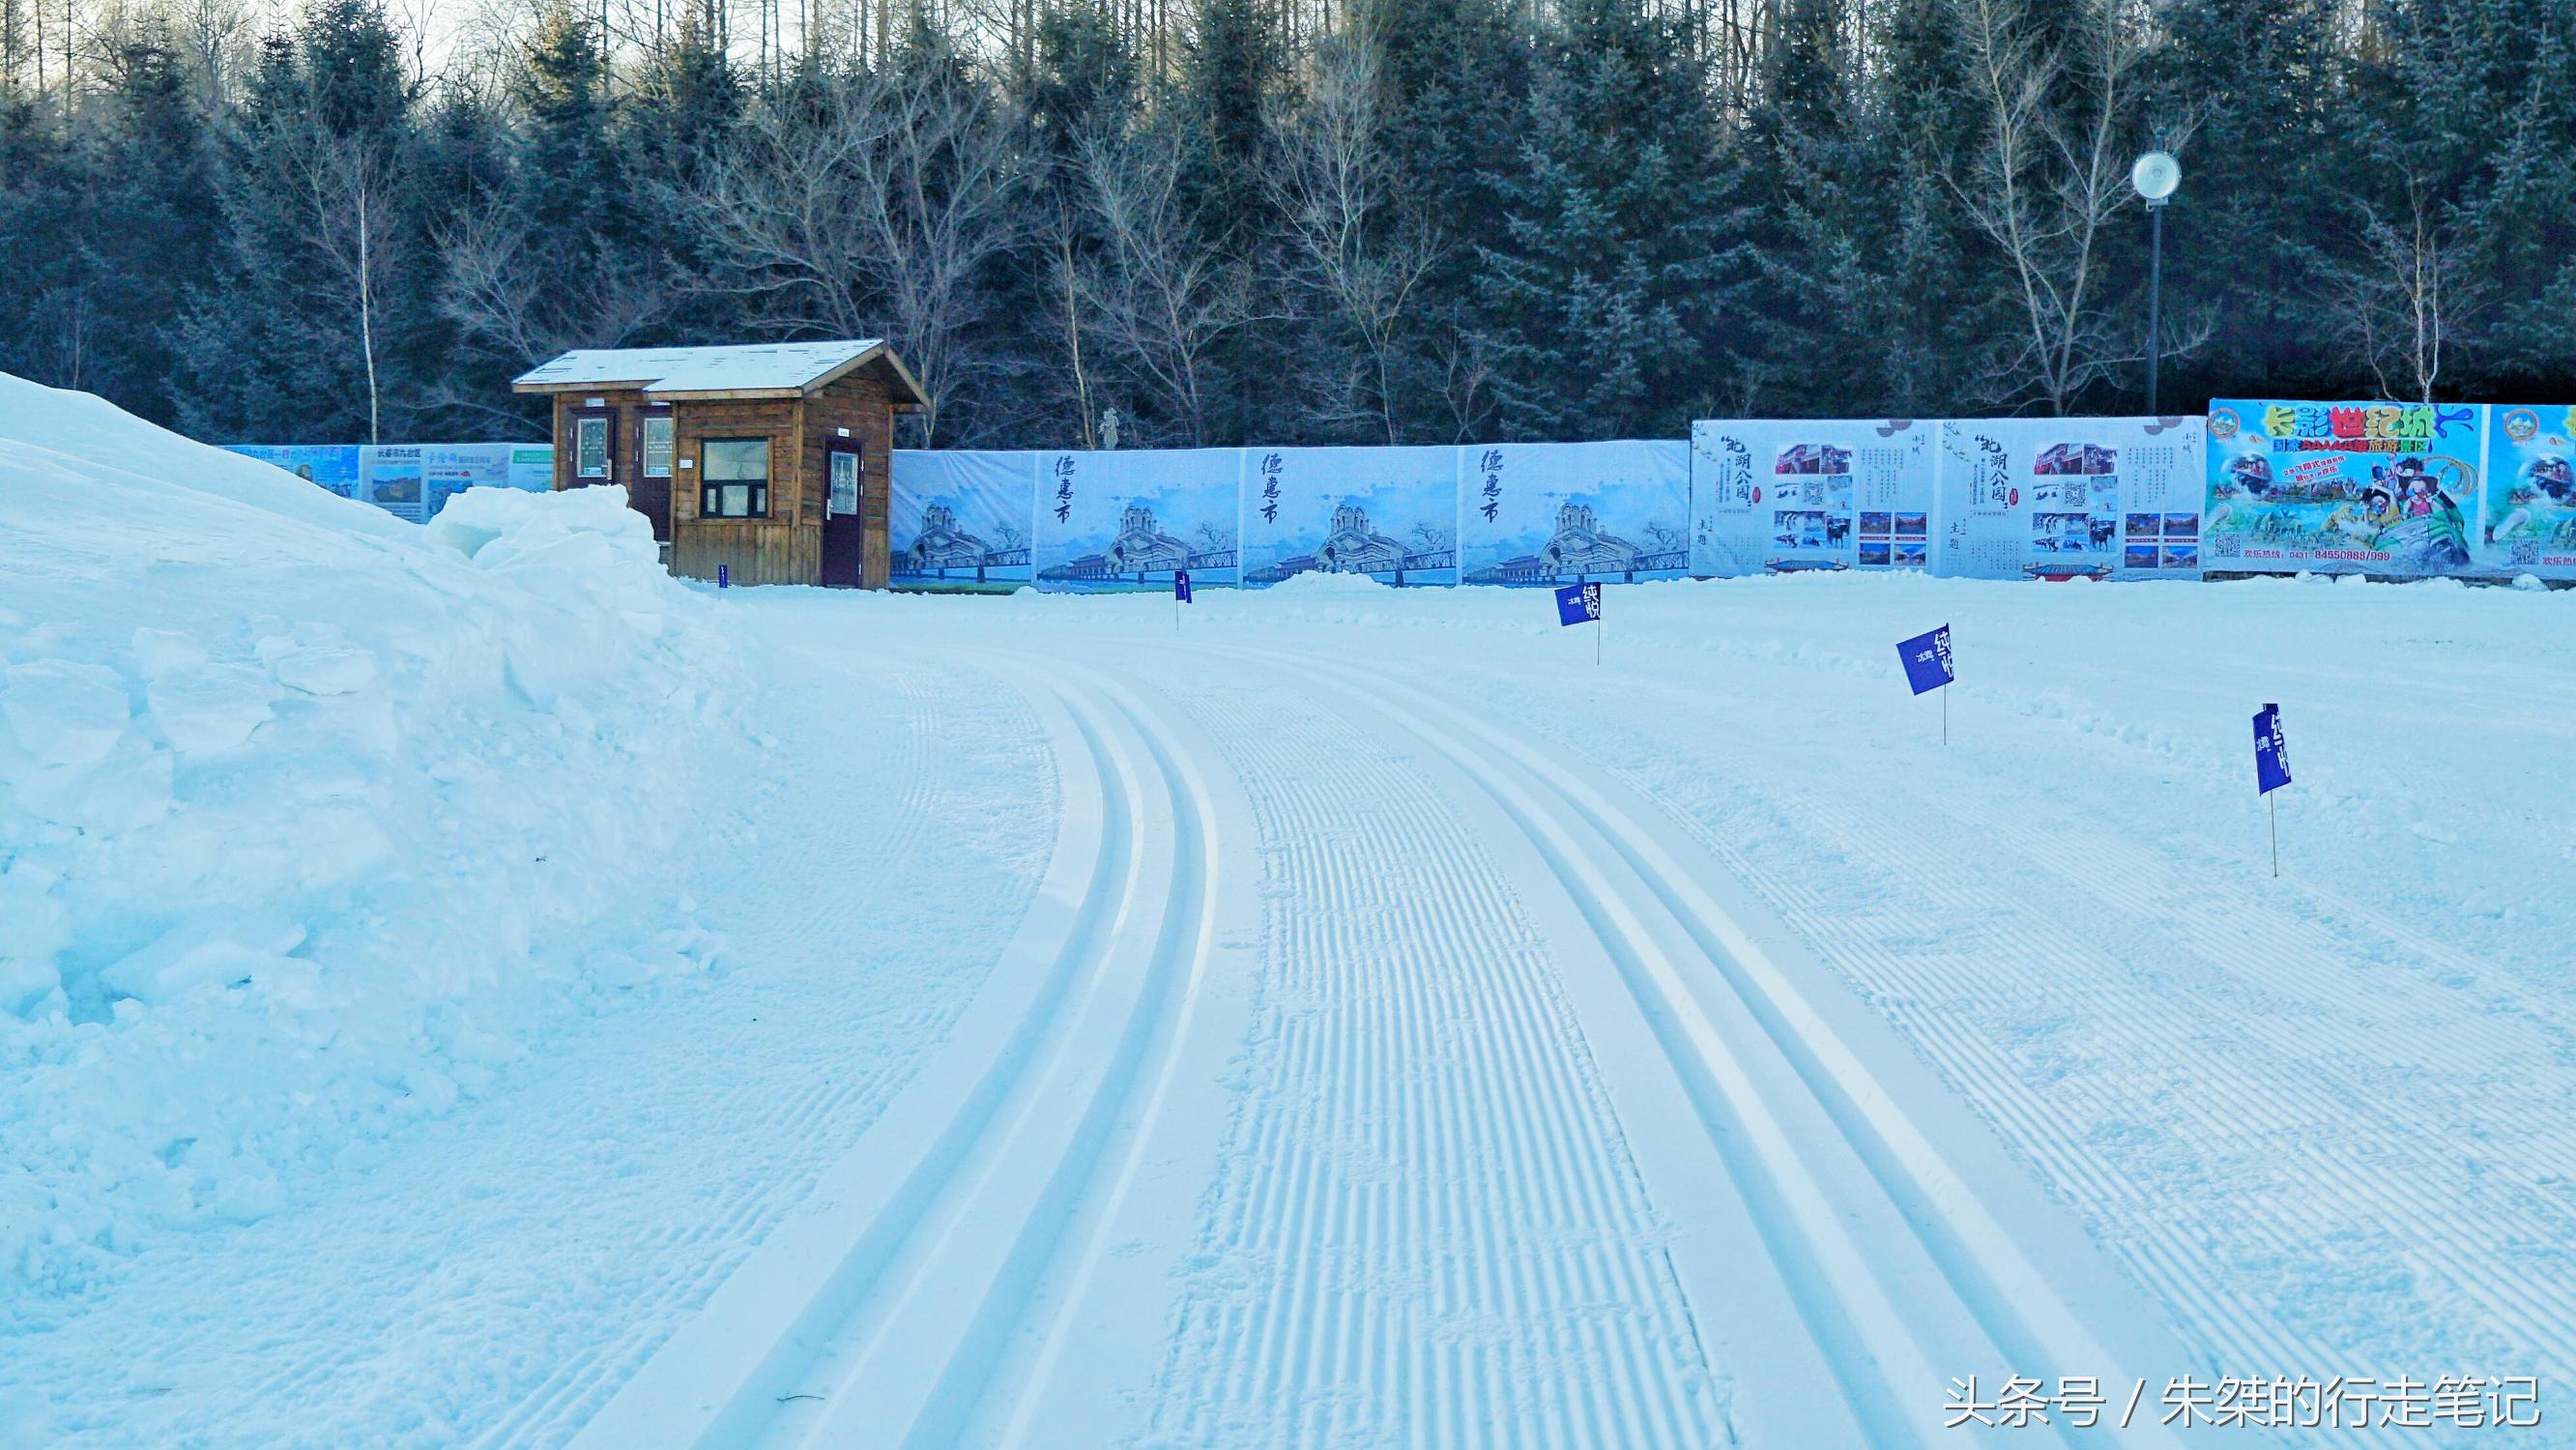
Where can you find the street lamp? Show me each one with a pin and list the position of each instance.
(2154, 178)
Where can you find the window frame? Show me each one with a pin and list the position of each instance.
(708, 484)
(835, 449)
(606, 417)
(668, 417)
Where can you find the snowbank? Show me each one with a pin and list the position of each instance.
(309, 818)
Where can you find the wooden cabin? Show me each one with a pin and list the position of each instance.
(766, 461)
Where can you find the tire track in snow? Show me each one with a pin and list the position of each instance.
(1893, 1257)
(884, 1320)
(1427, 1228)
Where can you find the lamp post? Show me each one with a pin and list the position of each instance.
(2154, 178)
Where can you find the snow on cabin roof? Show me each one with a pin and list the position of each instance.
(768, 367)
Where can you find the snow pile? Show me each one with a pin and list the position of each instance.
(309, 818)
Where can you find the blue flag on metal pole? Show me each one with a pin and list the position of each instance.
(1578, 604)
(2271, 751)
(1181, 585)
(1927, 660)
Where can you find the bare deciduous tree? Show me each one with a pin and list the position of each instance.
(1158, 295)
(874, 210)
(349, 192)
(1350, 245)
(2047, 174)
(2410, 292)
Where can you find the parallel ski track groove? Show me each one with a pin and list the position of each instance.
(2275, 947)
(1400, 1079)
(903, 1275)
(1788, 1232)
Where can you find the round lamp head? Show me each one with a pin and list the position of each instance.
(2156, 175)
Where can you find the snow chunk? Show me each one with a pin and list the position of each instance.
(210, 707)
(322, 670)
(65, 712)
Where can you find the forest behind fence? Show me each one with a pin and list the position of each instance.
(1203, 222)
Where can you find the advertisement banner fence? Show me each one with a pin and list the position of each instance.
(1565, 513)
(1129, 520)
(2060, 498)
(2403, 490)
(1780, 497)
(2344, 488)
(2530, 514)
(959, 520)
(410, 480)
(1389, 513)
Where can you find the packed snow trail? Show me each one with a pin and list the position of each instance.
(1435, 1209)
(1353, 1017)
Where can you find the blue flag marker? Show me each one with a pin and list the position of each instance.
(724, 576)
(2271, 769)
(1927, 660)
(1181, 585)
(1927, 667)
(1581, 604)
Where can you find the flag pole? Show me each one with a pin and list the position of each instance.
(1596, 640)
(2274, 801)
(1945, 715)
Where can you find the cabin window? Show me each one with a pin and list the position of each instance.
(590, 446)
(733, 478)
(657, 445)
(845, 481)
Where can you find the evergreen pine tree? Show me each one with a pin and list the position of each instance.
(1602, 298)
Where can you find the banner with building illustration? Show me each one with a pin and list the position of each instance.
(1388, 513)
(2349, 488)
(2061, 498)
(958, 520)
(2530, 512)
(1558, 513)
(1130, 519)
(1782, 497)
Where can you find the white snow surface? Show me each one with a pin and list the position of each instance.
(310, 819)
(1335, 1015)
(757, 366)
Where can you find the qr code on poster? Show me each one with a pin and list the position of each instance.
(2227, 546)
(1811, 490)
(2076, 495)
(2526, 551)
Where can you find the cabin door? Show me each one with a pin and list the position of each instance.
(845, 533)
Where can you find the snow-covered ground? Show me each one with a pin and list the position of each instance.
(1339, 1016)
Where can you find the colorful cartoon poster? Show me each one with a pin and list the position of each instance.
(392, 477)
(2066, 498)
(958, 520)
(330, 466)
(2530, 517)
(1561, 513)
(1782, 497)
(1389, 513)
(1130, 519)
(2349, 488)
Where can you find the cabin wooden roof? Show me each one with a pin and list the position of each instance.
(750, 370)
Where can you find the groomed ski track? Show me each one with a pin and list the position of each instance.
(1367, 1072)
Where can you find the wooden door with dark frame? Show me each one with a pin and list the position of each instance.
(845, 528)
